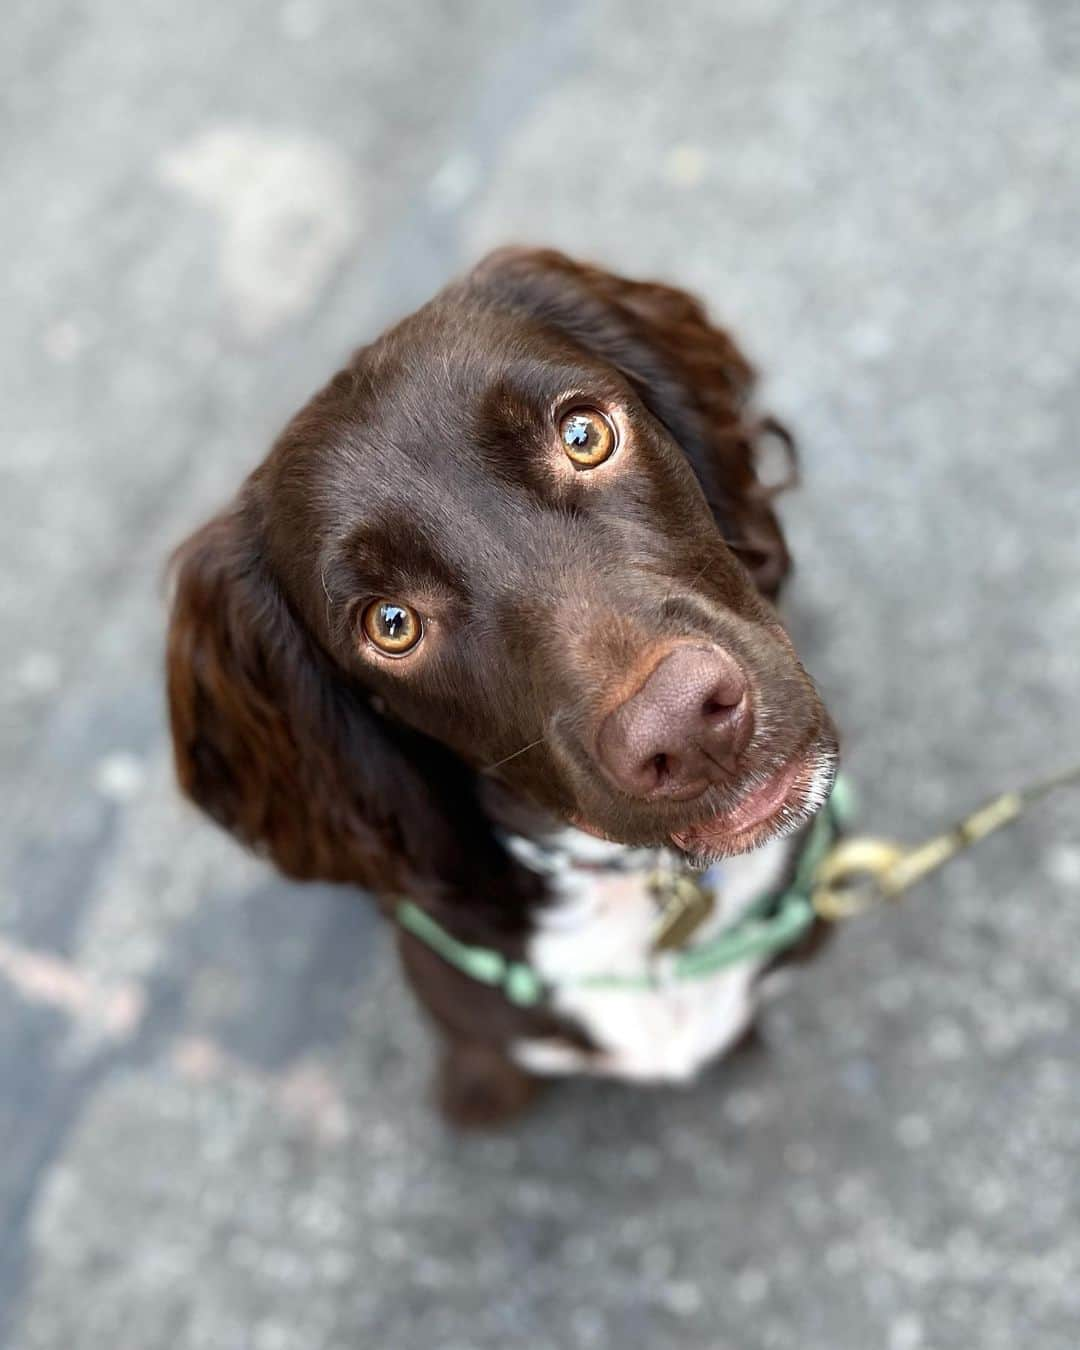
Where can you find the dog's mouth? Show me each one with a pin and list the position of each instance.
(777, 806)
(772, 807)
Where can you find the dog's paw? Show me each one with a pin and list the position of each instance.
(479, 1089)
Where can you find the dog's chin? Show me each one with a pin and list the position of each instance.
(771, 807)
(777, 806)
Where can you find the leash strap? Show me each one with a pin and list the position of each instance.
(771, 925)
(863, 872)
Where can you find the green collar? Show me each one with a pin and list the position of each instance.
(771, 925)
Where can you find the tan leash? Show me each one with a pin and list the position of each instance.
(862, 872)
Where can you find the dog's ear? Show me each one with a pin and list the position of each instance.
(689, 373)
(285, 751)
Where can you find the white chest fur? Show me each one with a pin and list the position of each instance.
(603, 922)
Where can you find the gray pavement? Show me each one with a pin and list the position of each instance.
(211, 1082)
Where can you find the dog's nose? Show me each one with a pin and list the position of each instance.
(683, 729)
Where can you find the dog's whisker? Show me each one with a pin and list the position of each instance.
(701, 571)
(329, 597)
(490, 768)
(693, 580)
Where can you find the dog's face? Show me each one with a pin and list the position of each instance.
(501, 542)
(494, 528)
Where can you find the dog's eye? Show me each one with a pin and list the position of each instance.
(395, 629)
(587, 436)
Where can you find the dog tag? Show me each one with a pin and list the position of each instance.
(684, 903)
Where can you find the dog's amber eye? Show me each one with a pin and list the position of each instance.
(587, 436)
(394, 629)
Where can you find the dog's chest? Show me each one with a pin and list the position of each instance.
(604, 923)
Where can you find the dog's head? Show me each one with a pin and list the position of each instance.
(519, 544)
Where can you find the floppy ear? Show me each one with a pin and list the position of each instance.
(690, 375)
(284, 750)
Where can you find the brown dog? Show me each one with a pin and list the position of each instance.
(504, 583)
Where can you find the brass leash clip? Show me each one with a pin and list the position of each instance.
(861, 872)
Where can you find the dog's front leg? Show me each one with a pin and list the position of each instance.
(478, 1087)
